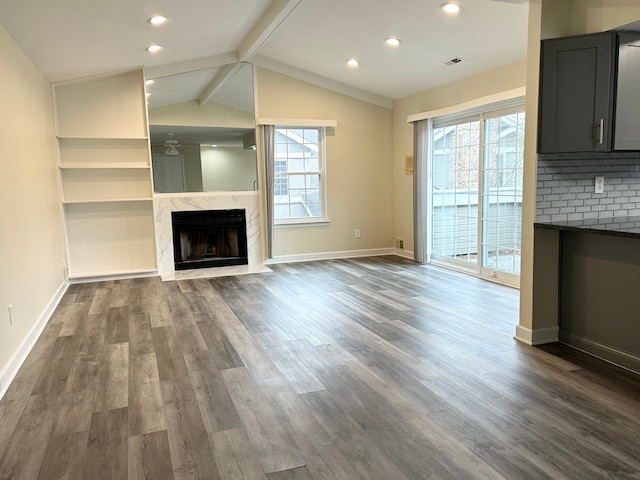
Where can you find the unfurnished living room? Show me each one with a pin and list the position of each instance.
(306, 240)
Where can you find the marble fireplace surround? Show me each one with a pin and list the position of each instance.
(166, 203)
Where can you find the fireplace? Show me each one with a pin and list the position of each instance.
(209, 238)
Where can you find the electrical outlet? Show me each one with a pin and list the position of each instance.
(10, 314)
(401, 242)
(599, 185)
(357, 233)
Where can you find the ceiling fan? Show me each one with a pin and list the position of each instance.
(171, 145)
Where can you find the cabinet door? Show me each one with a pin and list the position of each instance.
(576, 96)
(627, 126)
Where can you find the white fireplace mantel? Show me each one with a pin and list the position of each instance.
(165, 203)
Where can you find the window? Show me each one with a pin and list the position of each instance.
(299, 180)
(280, 187)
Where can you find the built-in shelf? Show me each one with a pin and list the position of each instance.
(77, 166)
(100, 138)
(105, 184)
(105, 176)
(110, 237)
(104, 153)
(109, 200)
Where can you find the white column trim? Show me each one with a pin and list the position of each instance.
(539, 336)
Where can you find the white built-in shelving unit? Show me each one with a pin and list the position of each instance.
(105, 175)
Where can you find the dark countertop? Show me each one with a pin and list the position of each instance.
(616, 226)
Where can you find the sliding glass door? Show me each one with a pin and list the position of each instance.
(476, 192)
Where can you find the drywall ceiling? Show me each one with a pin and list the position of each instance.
(69, 39)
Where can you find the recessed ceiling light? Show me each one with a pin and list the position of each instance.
(451, 7)
(154, 48)
(157, 20)
(352, 62)
(393, 41)
(149, 82)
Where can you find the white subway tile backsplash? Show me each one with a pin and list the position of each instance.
(565, 186)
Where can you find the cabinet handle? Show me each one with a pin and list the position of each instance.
(601, 131)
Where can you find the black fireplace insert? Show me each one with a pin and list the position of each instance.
(209, 238)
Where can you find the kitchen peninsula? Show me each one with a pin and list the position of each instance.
(587, 275)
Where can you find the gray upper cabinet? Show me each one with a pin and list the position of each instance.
(576, 93)
(627, 119)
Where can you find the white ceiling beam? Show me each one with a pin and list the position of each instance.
(251, 45)
(265, 28)
(191, 65)
(225, 74)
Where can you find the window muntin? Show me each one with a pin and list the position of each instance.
(299, 180)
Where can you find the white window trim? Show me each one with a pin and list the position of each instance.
(297, 122)
(470, 105)
(318, 222)
(322, 156)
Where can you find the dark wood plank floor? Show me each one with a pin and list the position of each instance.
(373, 368)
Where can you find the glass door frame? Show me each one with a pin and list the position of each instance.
(478, 268)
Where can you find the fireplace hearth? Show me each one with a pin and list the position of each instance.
(209, 238)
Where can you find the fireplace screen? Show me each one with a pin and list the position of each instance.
(209, 238)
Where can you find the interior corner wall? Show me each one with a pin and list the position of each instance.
(494, 81)
(32, 240)
(359, 173)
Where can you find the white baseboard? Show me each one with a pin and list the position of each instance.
(310, 257)
(113, 276)
(9, 371)
(539, 336)
(403, 253)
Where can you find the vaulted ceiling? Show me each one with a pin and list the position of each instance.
(308, 39)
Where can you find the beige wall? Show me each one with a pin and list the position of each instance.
(495, 81)
(31, 244)
(228, 168)
(359, 171)
(193, 114)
